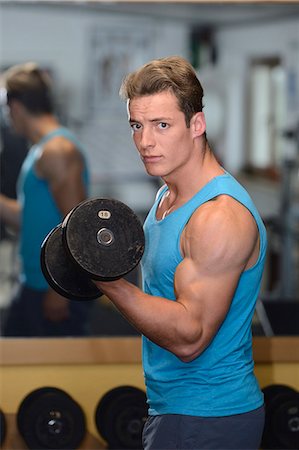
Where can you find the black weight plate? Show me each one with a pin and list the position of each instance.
(104, 237)
(120, 417)
(60, 272)
(272, 390)
(285, 420)
(104, 404)
(52, 420)
(129, 420)
(2, 427)
(271, 393)
(28, 399)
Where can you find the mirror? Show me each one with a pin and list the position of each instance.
(89, 47)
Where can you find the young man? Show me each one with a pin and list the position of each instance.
(53, 179)
(202, 268)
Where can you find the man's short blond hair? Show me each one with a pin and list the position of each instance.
(30, 85)
(174, 74)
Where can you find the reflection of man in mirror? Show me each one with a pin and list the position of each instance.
(53, 179)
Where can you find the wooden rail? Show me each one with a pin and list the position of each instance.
(118, 350)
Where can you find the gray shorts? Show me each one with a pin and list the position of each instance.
(174, 431)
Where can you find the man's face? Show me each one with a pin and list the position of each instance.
(160, 133)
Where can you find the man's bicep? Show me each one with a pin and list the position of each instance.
(207, 298)
(68, 191)
(217, 293)
(207, 294)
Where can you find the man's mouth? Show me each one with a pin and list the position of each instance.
(150, 159)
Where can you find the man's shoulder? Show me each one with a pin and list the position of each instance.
(58, 152)
(222, 214)
(223, 230)
(59, 143)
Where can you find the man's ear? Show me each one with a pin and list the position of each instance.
(17, 110)
(15, 106)
(198, 124)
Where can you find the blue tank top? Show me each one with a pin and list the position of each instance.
(39, 213)
(220, 381)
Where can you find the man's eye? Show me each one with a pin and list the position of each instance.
(135, 126)
(163, 125)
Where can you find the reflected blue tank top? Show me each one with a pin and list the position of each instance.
(39, 213)
(220, 381)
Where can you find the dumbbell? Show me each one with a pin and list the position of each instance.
(99, 239)
(120, 416)
(281, 430)
(49, 418)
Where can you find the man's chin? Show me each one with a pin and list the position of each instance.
(152, 172)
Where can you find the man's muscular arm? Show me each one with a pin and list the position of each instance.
(62, 166)
(217, 244)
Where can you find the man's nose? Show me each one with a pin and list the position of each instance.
(147, 138)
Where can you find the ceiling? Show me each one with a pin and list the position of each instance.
(213, 13)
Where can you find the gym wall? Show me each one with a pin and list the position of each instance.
(89, 368)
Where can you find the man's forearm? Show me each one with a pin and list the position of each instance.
(163, 321)
(10, 212)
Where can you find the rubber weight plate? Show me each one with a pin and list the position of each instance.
(29, 399)
(61, 273)
(104, 237)
(49, 418)
(272, 393)
(105, 403)
(285, 420)
(120, 417)
(2, 427)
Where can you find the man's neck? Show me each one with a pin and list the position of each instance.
(40, 126)
(194, 177)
